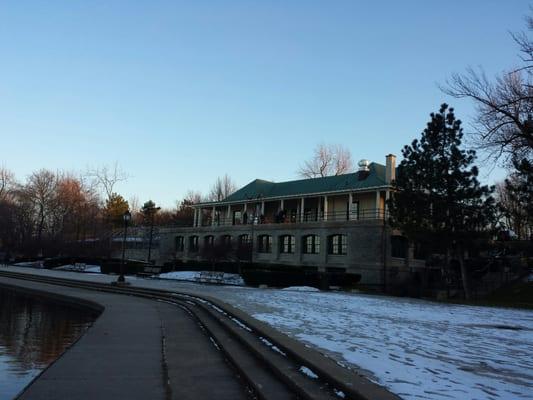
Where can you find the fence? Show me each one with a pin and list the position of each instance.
(294, 217)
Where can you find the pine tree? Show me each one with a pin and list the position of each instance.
(438, 198)
(148, 211)
(114, 210)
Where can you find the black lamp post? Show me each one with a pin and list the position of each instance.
(152, 212)
(127, 218)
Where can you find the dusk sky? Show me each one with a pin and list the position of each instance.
(179, 93)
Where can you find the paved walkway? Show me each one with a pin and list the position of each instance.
(136, 349)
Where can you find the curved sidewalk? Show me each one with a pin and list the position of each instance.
(136, 349)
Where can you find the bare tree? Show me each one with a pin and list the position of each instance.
(192, 197)
(40, 191)
(107, 177)
(328, 159)
(7, 183)
(222, 188)
(503, 124)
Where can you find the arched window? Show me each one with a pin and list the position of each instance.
(193, 244)
(311, 244)
(209, 241)
(264, 244)
(244, 240)
(286, 244)
(225, 241)
(337, 244)
(179, 243)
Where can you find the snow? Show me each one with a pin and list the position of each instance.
(417, 349)
(306, 371)
(204, 276)
(95, 269)
(301, 289)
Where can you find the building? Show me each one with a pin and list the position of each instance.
(334, 223)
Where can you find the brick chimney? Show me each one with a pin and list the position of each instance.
(390, 168)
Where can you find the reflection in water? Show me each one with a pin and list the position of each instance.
(33, 333)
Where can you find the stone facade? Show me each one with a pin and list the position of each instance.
(328, 224)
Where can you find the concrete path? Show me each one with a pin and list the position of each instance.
(136, 349)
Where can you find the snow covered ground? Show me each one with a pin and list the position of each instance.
(417, 349)
(204, 276)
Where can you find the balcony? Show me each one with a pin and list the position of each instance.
(284, 218)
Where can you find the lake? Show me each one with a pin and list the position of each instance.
(33, 333)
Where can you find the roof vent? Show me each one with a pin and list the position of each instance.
(363, 165)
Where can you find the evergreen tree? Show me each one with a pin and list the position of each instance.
(114, 210)
(438, 198)
(148, 211)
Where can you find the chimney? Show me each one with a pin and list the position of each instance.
(390, 168)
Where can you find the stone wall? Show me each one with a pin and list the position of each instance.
(368, 246)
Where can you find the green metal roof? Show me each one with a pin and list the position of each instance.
(265, 189)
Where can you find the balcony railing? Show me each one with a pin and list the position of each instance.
(296, 218)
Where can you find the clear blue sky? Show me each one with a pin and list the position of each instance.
(180, 92)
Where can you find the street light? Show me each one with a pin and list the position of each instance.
(152, 211)
(126, 217)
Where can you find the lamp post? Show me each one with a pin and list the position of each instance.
(152, 212)
(126, 217)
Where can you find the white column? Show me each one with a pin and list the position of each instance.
(377, 203)
(228, 216)
(282, 204)
(213, 216)
(387, 197)
(302, 209)
(199, 219)
(263, 207)
(325, 209)
(350, 203)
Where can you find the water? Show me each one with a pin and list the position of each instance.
(33, 333)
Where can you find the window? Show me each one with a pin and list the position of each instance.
(179, 243)
(237, 217)
(225, 241)
(311, 244)
(209, 241)
(193, 244)
(353, 213)
(264, 243)
(244, 240)
(337, 244)
(286, 244)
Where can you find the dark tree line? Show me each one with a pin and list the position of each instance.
(56, 213)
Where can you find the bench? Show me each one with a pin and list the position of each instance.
(149, 271)
(210, 277)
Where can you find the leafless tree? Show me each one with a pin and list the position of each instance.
(40, 192)
(106, 177)
(7, 183)
(328, 159)
(192, 197)
(515, 216)
(222, 188)
(503, 124)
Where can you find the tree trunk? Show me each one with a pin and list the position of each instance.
(464, 274)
